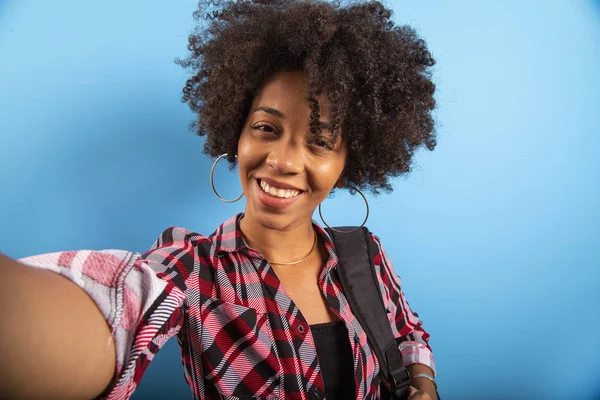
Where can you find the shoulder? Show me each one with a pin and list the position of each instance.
(183, 248)
(353, 239)
(380, 256)
(376, 248)
(225, 236)
(175, 236)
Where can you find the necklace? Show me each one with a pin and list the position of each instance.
(300, 260)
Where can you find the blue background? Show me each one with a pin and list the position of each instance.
(495, 233)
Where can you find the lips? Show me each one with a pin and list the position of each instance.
(278, 200)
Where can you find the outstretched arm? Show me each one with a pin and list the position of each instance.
(54, 341)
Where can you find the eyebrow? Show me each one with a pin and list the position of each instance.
(277, 113)
(270, 110)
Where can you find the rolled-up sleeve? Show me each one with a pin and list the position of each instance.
(413, 340)
(142, 307)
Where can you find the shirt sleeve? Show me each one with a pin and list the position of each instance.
(413, 340)
(140, 296)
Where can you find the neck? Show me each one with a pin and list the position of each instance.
(278, 245)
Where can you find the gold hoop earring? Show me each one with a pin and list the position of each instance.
(353, 230)
(212, 183)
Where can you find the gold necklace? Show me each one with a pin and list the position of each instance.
(300, 260)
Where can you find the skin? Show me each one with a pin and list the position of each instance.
(54, 342)
(79, 356)
(276, 143)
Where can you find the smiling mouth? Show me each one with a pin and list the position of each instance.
(277, 192)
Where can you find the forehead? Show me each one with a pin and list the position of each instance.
(289, 90)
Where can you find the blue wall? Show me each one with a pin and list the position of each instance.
(495, 234)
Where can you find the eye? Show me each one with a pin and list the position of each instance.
(322, 144)
(325, 139)
(263, 127)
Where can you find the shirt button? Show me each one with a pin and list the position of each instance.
(319, 394)
(356, 339)
(300, 328)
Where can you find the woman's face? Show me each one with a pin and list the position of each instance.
(285, 173)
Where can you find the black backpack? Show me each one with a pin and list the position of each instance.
(359, 283)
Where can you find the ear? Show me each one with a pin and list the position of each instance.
(341, 181)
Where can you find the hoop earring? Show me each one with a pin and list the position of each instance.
(353, 230)
(212, 183)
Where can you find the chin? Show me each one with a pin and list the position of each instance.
(273, 221)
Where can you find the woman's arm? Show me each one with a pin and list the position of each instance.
(79, 318)
(407, 328)
(54, 341)
(423, 385)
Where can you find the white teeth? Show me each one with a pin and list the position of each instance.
(277, 192)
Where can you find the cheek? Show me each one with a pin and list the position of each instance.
(244, 149)
(327, 175)
(242, 146)
(247, 155)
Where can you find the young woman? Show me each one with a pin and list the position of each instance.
(306, 97)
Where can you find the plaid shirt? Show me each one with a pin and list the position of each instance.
(240, 333)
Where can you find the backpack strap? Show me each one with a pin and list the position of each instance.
(359, 283)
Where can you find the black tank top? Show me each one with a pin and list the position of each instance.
(335, 359)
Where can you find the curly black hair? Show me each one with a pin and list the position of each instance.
(376, 75)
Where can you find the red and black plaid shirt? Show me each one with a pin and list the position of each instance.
(240, 333)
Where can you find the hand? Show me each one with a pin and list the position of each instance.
(415, 394)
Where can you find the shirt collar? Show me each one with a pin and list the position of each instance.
(228, 238)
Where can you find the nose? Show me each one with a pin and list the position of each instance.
(286, 158)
